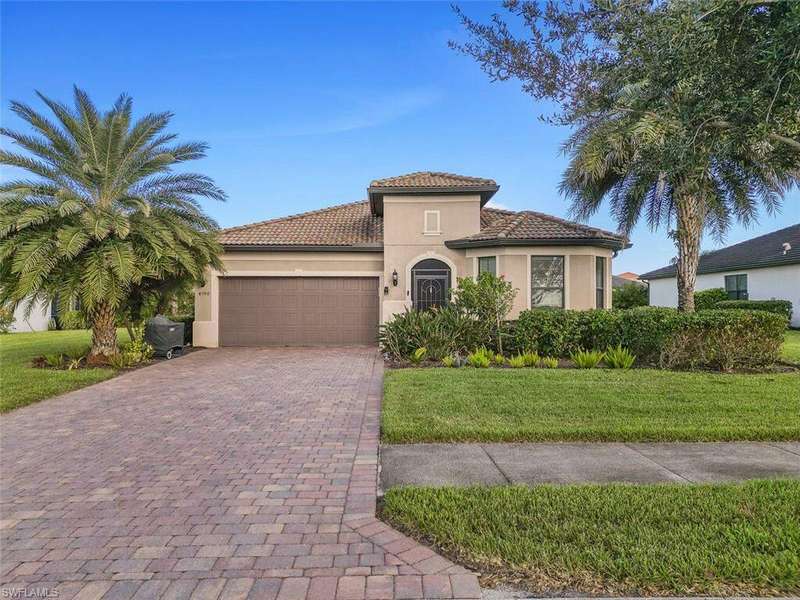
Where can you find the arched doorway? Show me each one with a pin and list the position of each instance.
(430, 284)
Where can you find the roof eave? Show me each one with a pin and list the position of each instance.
(778, 262)
(301, 248)
(376, 193)
(495, 242)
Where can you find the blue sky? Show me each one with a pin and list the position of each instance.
(304, 103)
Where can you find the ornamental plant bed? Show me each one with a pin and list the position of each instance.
(72, 363)
(718, 340)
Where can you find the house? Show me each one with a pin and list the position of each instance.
(629, 276)
(330, 276)
(37, 320)
(626, 278)
(764, 268)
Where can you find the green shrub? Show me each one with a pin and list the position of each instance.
(6, 319)
(648, 332)
(448, 361)
(587, 359)
(443, 331)
(481, 358)
(499, 360)
(135, 352)
(597, 328)
(72, 319)
(779, 307)
(517, 362)
(418, 355)
(55, 361)
(629, 295)
(531, 359)
(548, 362)
(550, 331)
(619, 358)
(724, 339)
(708, 299)
(644, 331)
(119, 361)
(488, 301)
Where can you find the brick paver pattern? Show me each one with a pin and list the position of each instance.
(232, 473)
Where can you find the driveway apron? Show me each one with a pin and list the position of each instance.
(228, 473)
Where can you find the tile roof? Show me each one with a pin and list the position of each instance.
(618, 281)
(354, 226)
(432, 179)
(762, 251)
(533, 227)
(343, 225)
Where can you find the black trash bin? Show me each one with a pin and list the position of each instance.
(165, 336)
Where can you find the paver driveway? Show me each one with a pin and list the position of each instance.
(228, 473)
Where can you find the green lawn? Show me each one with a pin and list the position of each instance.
(22, 384)
(616, 539)
(791, 347)
(493, 405)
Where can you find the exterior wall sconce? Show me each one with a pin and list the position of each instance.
(394, 278)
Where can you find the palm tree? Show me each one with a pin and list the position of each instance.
(103, 213)
(683, 112)
(649, 163)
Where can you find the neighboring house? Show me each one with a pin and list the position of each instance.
(330, 276)
(626, 278)
(38, 319)
(764, 268)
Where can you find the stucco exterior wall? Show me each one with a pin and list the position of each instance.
(409, 237)
(406, 242)
(513, 262)
(779, 283)
(264, 264)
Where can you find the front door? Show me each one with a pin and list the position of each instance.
(430, 284)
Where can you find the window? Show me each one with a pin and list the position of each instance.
(432, 224)
(547, 281)
(487, 264)
(600, 281)
(736, 287)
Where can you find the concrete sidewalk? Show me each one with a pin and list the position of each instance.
(499, 464)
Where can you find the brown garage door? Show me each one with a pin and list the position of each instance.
(297, 311)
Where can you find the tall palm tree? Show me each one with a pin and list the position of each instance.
(646, 162)
(683, 112)
(101, 212)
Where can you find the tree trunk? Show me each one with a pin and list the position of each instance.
(104, 334)
(691, 220)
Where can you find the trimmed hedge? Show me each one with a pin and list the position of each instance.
(709, 298)
(724, 340)
(718, 339)
(779, 307)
